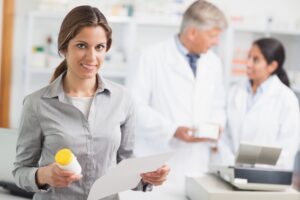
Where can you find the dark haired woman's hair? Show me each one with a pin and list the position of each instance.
(273, 50)
(78, 18)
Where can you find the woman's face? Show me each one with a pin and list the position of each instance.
(86, 52)
(258, 69)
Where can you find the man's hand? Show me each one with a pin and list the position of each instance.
(186, 134)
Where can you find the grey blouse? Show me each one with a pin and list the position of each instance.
(100, 141)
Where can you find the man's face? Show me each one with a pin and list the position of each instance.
(202, 41)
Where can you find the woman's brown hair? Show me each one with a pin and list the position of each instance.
(78, 18)
(273, 50)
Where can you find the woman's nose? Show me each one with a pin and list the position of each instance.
(249, 62)
(91, 55)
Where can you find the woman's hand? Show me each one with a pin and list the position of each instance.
(156, 177)
(55, 176)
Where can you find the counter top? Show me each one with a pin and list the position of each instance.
(164, 192)
(158, 193)
(210, 187)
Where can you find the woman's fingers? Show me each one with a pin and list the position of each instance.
(57, 177)
(62, 173)
(154, 181)
(157, 177)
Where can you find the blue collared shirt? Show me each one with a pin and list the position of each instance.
(184, 52)
(253, 97)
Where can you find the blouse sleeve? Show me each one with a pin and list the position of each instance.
(127, 142)
(29, 147)
(127, 130)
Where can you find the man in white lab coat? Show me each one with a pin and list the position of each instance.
(179, 87)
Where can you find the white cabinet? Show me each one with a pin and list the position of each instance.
(237, 42)
(37, 67)
(130, 35)
(41, 50)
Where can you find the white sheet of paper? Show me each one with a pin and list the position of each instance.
(208, 130)
(126, 175)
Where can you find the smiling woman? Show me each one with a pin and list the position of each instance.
(85, 54)
(78, 110)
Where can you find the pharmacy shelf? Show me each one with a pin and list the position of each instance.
(41, 70)
(115, 73)
(263, 30)
(132, 34)
(296, 88)
(126, 31)
(47, 15)
(119, 19)
(154, 21)
(158, 21)
(240, 37)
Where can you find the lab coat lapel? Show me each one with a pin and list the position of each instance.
(270, 93)
(248, 126)
(240, 106)
(178, 63)
(203, 91)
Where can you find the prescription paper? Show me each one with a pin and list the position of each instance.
(126, 175)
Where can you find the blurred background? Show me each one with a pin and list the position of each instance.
(136, 24)
(29, 30)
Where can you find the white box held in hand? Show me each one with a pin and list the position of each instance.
(208, 130)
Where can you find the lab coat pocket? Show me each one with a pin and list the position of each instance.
(269, 124)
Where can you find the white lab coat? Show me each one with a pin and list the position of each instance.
(272, 120)
(169, 96)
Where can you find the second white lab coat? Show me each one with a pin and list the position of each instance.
(272, 120)
(169, 96)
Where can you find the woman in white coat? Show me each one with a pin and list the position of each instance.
(264, 110)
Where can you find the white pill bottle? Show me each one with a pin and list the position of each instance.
(66, 160)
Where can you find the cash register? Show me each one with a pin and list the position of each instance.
(246, 175)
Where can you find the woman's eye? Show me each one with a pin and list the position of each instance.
(100, 47)
(256, 60)
(81, 46)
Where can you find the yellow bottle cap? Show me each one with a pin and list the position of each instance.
(64, 156)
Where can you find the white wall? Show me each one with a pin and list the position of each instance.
(255, 9)
(277, 8)
(283, 13)
(21, 9)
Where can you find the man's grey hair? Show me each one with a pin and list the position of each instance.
(203, 15)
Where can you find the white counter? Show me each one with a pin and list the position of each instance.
(164, 192)
(159, 193)
(210, 187)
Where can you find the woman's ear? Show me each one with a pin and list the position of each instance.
(273, 66)
(63, 53)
